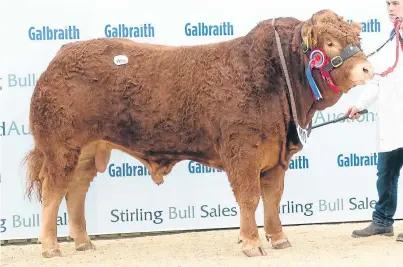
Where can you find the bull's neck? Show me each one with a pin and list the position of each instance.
(305, 104)
(296, 62)
(268, 74)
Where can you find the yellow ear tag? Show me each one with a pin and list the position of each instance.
(306, 42)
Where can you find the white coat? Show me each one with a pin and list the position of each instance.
(388, 91)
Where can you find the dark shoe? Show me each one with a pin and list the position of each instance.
(373, 229)
(400, 237)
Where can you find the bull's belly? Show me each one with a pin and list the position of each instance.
(168, 147)
(161, 161)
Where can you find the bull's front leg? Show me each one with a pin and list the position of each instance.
(272, 187)
(242, 167)
(245, 186)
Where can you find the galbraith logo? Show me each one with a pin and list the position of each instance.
(202, 29)
(47, 33)
(127, 170)
(27, 80)
(195, 168)
(299, 162)
(371, 25)
(354, 160)
(13, 128)
(123, 31)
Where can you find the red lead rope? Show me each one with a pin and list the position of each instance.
(390, 69)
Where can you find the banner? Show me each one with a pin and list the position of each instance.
(332, 180)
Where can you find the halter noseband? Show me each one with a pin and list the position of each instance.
(318, 59)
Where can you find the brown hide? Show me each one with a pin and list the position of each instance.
(224, 105)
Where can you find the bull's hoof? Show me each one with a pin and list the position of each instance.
(85, 246)
(50, 253)
(254, 252)
(268, 237)
(281, 244)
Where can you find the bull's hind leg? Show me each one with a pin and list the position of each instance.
(93, 157)
(51, 199)
(272, 187)
(242, 168)
(56, 172)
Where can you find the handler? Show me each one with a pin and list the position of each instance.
(389, 90)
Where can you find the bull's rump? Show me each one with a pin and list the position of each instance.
(163, 99)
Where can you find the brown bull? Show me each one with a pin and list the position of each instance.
(225, 105)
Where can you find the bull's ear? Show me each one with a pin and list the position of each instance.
(307, 35)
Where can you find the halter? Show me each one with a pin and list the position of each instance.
(318, 59)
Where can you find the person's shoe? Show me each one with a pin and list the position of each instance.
(373, 229)
(400, 237)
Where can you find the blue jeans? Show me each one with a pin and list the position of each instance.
(389, 166)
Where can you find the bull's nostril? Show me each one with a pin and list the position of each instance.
(365, 70)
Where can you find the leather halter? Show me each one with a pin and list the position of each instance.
(303, 133)
(321, 61)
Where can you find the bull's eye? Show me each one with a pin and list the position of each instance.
(330, 44)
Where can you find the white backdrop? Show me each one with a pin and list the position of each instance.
(321, 191)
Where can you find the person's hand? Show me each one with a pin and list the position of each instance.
(352, 112)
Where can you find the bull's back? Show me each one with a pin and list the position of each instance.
(160, 92)
(153, 72)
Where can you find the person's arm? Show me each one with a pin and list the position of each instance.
(370, 94)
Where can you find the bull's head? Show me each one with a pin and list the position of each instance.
(339, 43)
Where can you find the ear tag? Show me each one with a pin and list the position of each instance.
(304, 47)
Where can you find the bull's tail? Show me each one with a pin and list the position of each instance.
(34, 161)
